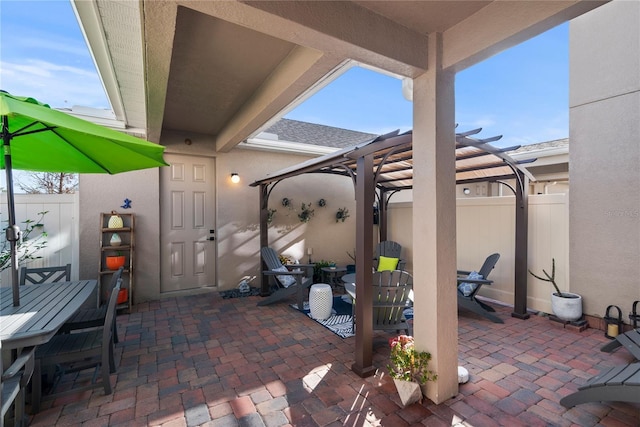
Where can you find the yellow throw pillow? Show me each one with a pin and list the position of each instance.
(385, 263)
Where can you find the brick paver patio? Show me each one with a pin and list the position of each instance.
(204, 360)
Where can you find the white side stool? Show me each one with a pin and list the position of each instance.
(320, 301)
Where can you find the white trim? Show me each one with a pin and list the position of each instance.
(266, 144)
(542, 152)
(88, 17)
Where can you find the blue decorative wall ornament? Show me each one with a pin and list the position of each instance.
(127, 204)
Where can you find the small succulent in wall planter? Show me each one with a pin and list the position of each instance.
(342, 214)
(306, 213)
(270, 214)
(322, 203)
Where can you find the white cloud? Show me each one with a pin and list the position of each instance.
(54, 84)
(64, 45)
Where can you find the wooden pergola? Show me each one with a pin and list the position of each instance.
(383, 166)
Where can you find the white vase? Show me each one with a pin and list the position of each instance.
(568, 308)
(115, 240)
(409, 391)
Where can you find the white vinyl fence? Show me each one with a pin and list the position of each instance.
(486, 225)
(60, 223)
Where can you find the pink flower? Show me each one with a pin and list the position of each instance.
(405, 341)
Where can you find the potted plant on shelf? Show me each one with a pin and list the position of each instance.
(409, 369)
(566, 306)
(114, 262)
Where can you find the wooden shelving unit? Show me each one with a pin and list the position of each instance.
(125, 248)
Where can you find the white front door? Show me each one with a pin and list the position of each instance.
(187, 219)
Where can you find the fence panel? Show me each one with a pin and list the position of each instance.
(487, 224)
(60, 223)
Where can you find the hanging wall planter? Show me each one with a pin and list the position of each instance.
(306, 213)
(342, 214)
(270, 214)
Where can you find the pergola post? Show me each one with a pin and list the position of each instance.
(382, 214)
(365, 188)
(264, 236)
(521, 249)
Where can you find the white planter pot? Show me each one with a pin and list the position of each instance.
(567, 308)
(409, 391)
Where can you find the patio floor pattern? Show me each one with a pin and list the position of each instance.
(204, 360)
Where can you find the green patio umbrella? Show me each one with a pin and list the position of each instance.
(38, 138)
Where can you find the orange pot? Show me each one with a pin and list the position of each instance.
(123, 296)
(115, 262)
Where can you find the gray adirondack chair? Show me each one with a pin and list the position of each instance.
(467, 294)
(301, 273)
(629, 340)
(79, 351)
(616, 384)
(36, 276)
(390, 249)
(391, 296)
(91, 318)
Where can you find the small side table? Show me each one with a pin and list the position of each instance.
(332, 275)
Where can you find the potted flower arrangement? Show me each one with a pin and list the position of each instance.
(566, 306)
(409, 369)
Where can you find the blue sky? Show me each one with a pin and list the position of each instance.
(521, 93)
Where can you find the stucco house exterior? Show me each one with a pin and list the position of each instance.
(202, 77)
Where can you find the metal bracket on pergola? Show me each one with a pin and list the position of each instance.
(382, 167)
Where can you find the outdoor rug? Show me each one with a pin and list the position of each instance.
(235, 293)
(341, 320)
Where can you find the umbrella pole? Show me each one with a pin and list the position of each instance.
(13, 231)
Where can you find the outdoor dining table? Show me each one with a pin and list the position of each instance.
(350, 284)
(42, 311)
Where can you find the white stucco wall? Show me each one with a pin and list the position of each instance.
(104, 193)
(237, 215)
(605, 154)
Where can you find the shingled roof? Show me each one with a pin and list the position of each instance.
(315, 134)
(556, 143)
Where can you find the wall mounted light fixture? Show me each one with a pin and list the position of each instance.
(235, 178)
(466, 191)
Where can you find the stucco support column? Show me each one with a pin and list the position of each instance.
(434, 222)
